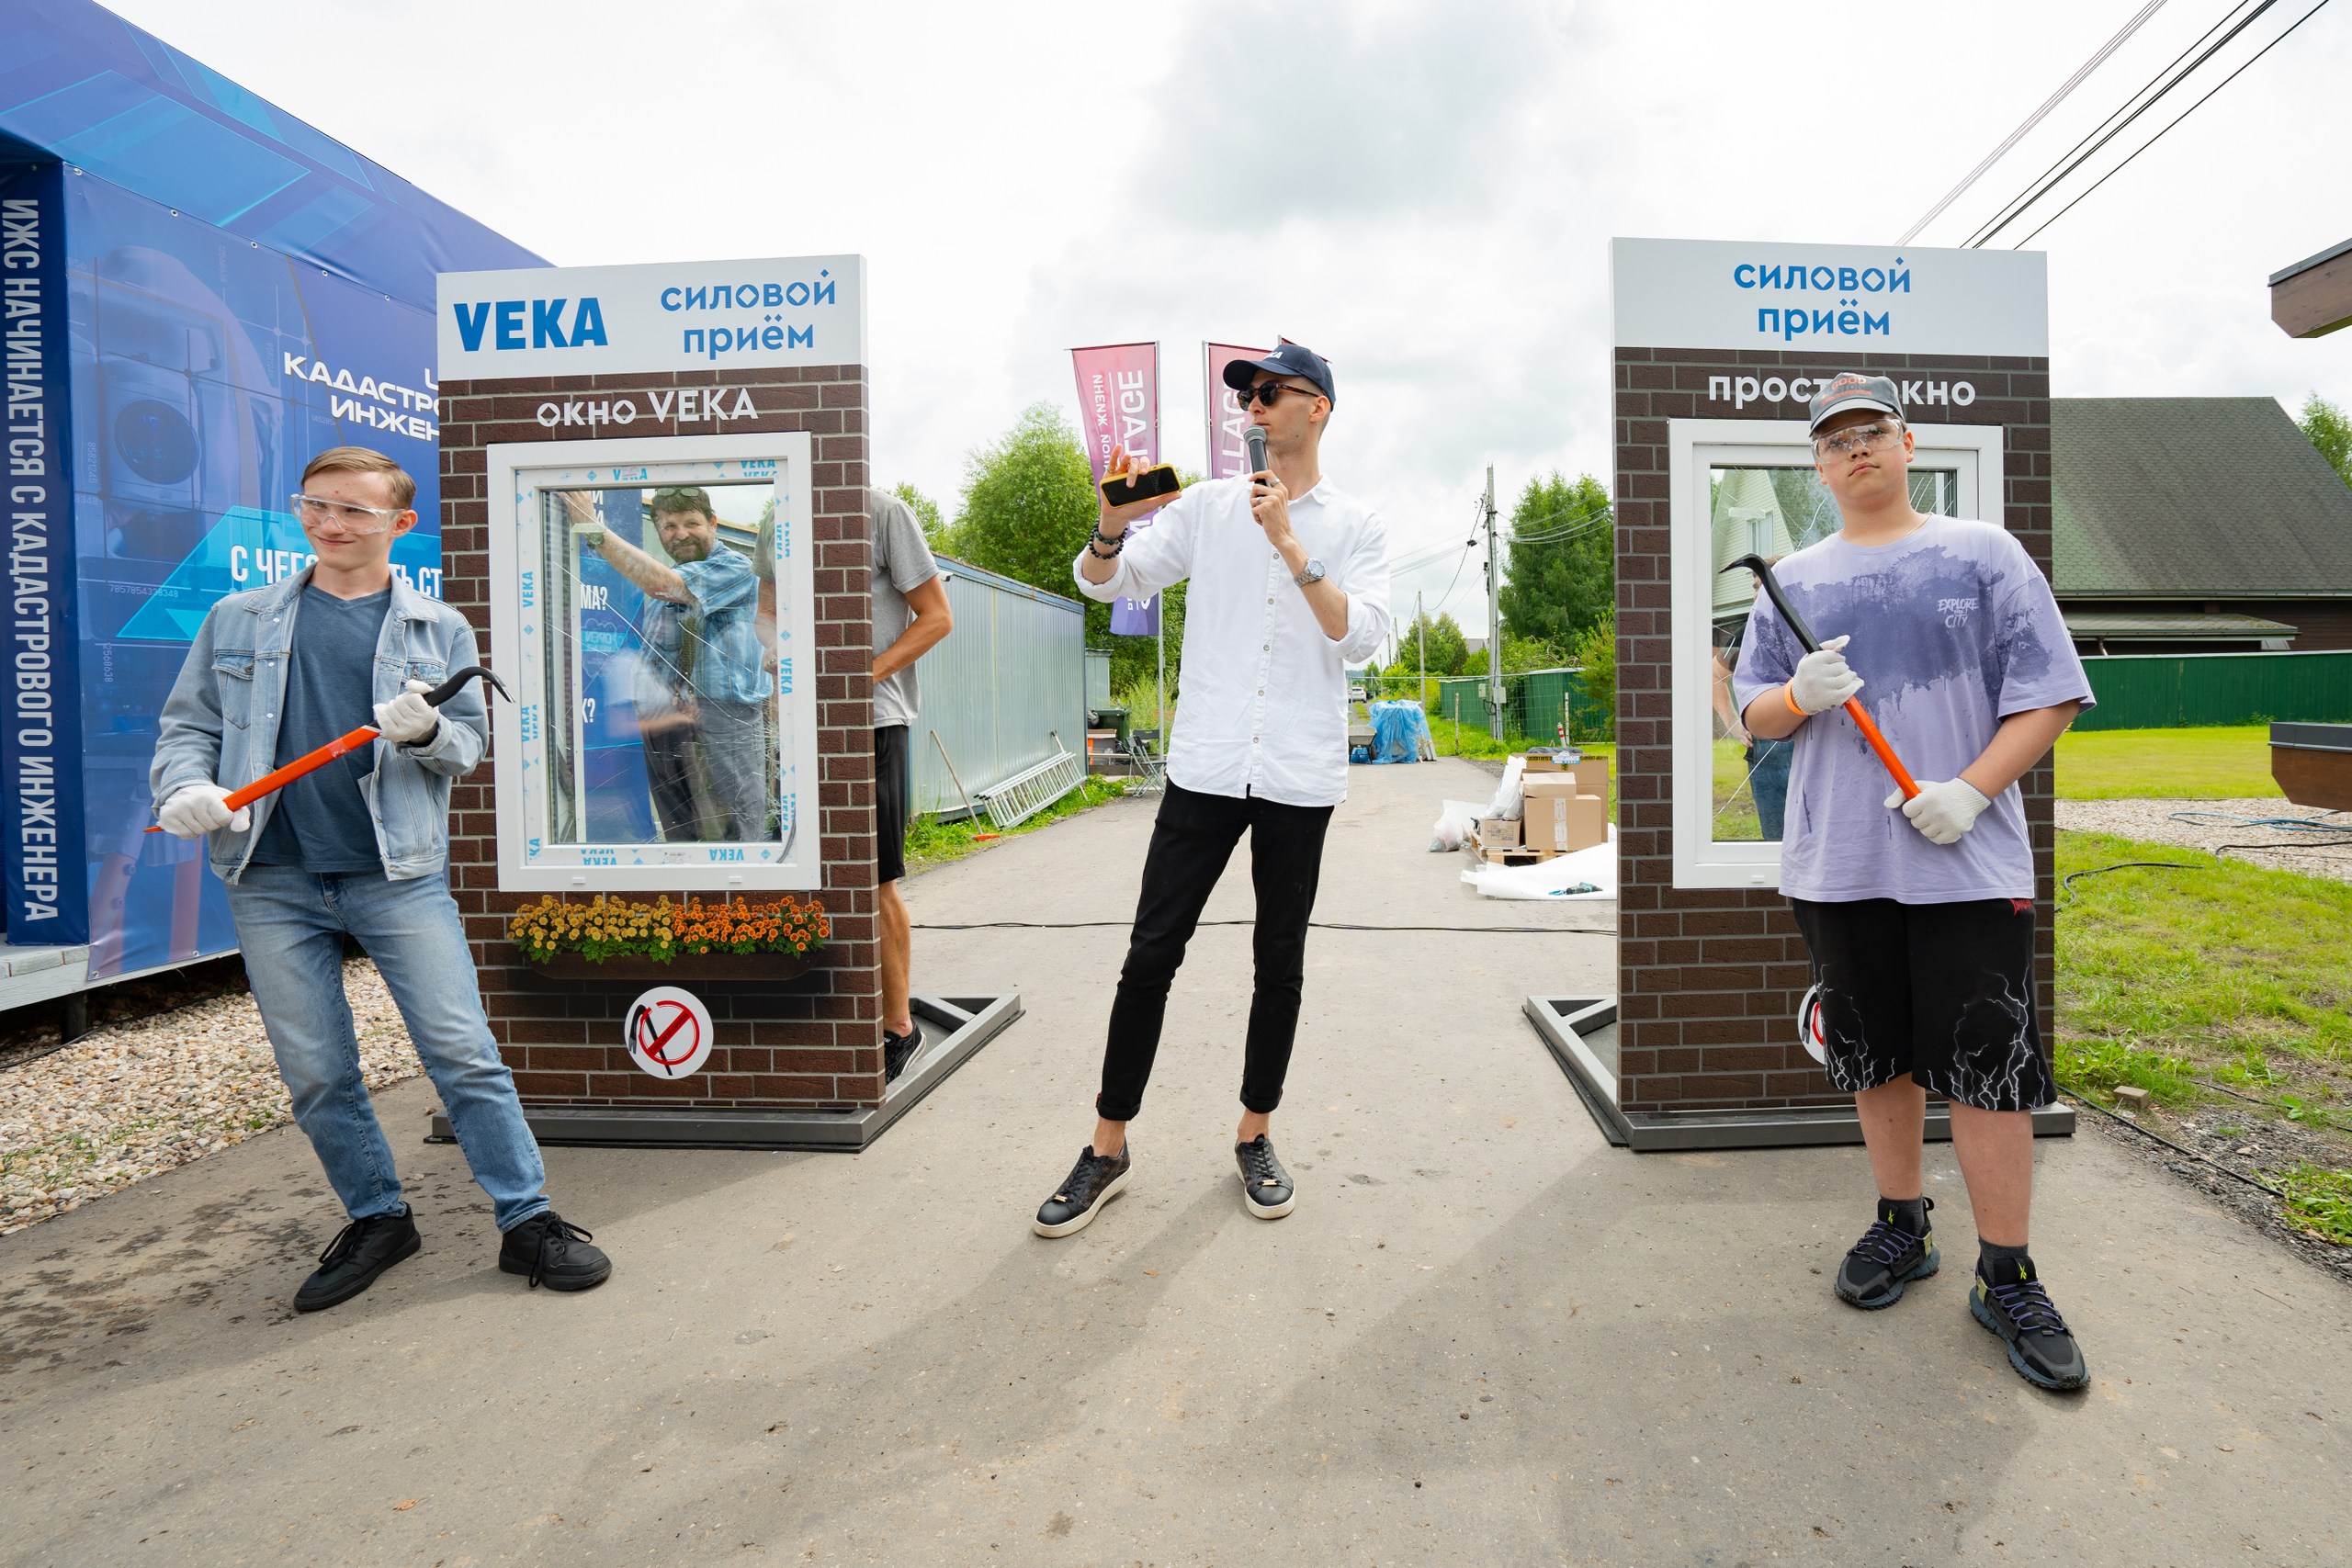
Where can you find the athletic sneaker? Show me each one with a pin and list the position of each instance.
(898, 1050)
(1266, 1191)
(364, 1250)
(1092, 1182)
(1886, 1258)
(2019, 1311)
(553, 1252)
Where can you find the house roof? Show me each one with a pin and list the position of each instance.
(2186, 626)
(2193, 498)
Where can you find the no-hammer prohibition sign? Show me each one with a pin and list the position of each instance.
(669, 1031)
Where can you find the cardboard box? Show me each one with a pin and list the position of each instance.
(1498, 832)
(1591, 773)
(1562, 818)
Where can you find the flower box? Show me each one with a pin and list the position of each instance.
(758, 968)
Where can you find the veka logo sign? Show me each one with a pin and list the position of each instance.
(663, 316)
(669, 1031)
(547, 329)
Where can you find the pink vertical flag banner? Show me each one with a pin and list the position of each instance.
(1118, 403)
(1227, 456)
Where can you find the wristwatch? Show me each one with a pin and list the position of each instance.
(1312, 573)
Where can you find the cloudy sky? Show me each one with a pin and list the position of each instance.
(1422, 192)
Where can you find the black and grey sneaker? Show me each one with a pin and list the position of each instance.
(2018, 1310)
(1266, 1191)
(898, 1050)
(1886, 1258)
(1092, 1182)
(364, 1250)
(553, 1253)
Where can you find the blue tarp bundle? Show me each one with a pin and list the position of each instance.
(1399, 729)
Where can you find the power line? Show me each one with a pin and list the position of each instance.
(2051, 102)
(2159, 136)
(2164, 82)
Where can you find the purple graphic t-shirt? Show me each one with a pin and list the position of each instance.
(1954, 630)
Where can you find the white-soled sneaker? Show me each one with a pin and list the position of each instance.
(1266, 1189)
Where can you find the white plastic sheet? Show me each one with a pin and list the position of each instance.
(1551, 879)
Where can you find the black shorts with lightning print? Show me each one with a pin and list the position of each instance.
(1941, 991)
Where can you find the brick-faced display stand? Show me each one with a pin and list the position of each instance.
(809, 1045)
(1709, 979)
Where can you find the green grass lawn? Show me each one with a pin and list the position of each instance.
(930, 841)
(2219, 974)
(2200, 765)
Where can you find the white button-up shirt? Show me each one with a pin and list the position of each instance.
(1263, 708)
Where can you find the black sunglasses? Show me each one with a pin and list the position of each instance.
(1270, 393)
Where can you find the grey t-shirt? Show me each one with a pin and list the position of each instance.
(1954, 630)
(901, 561)
(320, 822)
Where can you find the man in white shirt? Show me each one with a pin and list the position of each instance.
(1289, 583)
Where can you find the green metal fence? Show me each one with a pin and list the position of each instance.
(2166, 691)
(1534, 705)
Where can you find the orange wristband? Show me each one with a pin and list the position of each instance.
(1788, 696)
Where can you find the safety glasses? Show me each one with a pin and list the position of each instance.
(1859, 440)
(317, 511)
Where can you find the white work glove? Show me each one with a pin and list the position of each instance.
(1943, 811)
(1823, 680)
(197, 809)
(408, 719)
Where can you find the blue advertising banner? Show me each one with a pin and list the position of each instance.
(40, 748)
(214, 292)
(210, 371)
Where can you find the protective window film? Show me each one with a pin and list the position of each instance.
(660, 650)
(1769, 511)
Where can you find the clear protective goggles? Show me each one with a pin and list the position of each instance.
(318, 512)
(1857, 440)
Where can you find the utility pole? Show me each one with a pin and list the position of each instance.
(1494, 620)
(1421, 624)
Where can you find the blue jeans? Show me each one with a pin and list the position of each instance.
(291, 924)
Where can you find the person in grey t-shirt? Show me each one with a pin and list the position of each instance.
(910, 617)
(1919, 912)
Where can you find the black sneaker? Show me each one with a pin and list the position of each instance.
(1884, 1261)
(2019, 1311)
(351, 1262)
(898, 1050)
(1092, 1182)
(1266, 1191)
(554, 1254)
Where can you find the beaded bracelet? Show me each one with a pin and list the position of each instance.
(1116, 545)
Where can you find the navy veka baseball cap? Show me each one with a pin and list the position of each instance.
(1851, 390)
(1291, 359)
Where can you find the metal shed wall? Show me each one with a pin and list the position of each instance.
(1007, 680)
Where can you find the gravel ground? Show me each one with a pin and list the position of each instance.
(135, 1099)
(2152, 821)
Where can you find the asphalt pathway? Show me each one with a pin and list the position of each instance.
(1485, 1335)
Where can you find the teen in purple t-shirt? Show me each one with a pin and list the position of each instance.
(1919, 913)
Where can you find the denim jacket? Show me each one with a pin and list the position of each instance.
(219, 725)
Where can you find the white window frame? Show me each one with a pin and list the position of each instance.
(1694, 447)
(518, 472)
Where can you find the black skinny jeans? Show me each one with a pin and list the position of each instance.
(1191, 842)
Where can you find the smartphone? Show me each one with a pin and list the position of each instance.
(1149, 485)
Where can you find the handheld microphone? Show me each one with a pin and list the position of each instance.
(1255, 439)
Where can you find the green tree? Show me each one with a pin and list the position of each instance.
(1562, 567)
(2330, 432)
(936, 531)
(1028, 505)
(1595, 653)
(1447, 645)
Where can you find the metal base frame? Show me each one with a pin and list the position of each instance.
(1566, 1023)
(954, 1030)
